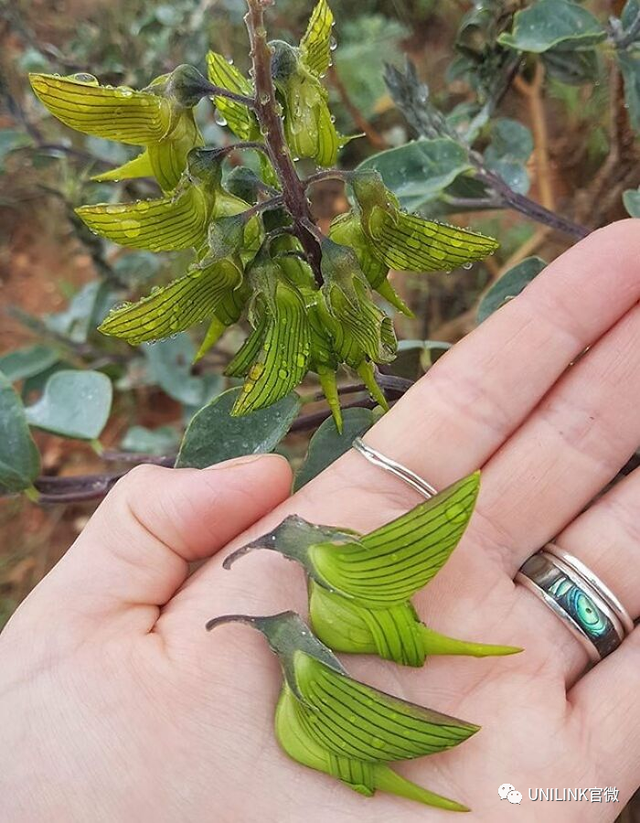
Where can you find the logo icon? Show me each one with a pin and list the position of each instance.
(509, 792)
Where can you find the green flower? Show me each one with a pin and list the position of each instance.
(275, 356)
(178, 221)
(159, 117)
(330, 722)
(213, 289)
(360, 585)
(308, 123)
(407, 242)
(346, 229)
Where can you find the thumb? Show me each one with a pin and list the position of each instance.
(136, 548)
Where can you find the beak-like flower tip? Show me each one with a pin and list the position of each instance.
(229, 618)
(231, 558)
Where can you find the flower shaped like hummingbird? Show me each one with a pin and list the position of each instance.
(384, 236)
(275, 356)
(159, 117)
(332, 723)
(360, 585)
(200, 214)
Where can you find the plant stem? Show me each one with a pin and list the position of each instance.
(329, 174)
(218, 91)
(293, 189)
(524, 205)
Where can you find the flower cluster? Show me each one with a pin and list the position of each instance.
(306, 312)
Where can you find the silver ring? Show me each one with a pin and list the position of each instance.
(585, 605)
(378, 459)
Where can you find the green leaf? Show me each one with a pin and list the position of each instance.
(83, 314)
(27, 362)
(327, 445)
(428, 352)
(510, 285)
(550, 23)
(19, 457)
(630, 198)
(74, 404)
(510, 139)
(575, 68)
(629, 62)
(315, 46)
(136, 267)
(170, 367)
(10, 140)
(160, 441)
(362, 40)
(420, 170)
(629, 13)
(510, 148)
(213, 435)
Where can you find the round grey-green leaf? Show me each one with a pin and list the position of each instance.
(73, 404)
(213, 435)
(419, 171)
(550, 23)
(19, 456)
(327, 444)
(20, 364)
(509, 285)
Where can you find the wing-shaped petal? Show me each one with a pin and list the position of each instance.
(121, 114)
(354, 720)
(167, 224)
(239, 118)
(398, 559)
(248, 351)
(284, 355)
(351, 627)
(140, 166)
(173, 308)
(408, 242)
(169, 157)
(315, 46)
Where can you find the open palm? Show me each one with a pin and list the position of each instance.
(116, 705)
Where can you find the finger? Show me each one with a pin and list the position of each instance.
(567, 451)
(459, 414)
(478, 394)
(605, 700)
(606, 537)
(454, 419)
(135, 550)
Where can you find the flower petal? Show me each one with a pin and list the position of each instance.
(121, 114)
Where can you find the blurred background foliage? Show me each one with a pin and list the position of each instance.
(544, 95)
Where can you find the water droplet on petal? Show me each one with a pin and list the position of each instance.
(131, 228)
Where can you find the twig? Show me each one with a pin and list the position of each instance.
(264, 205)
(329, 174)
(218, 91)
(625, 39)
(271, 127)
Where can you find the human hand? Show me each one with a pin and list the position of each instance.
(113, 710)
